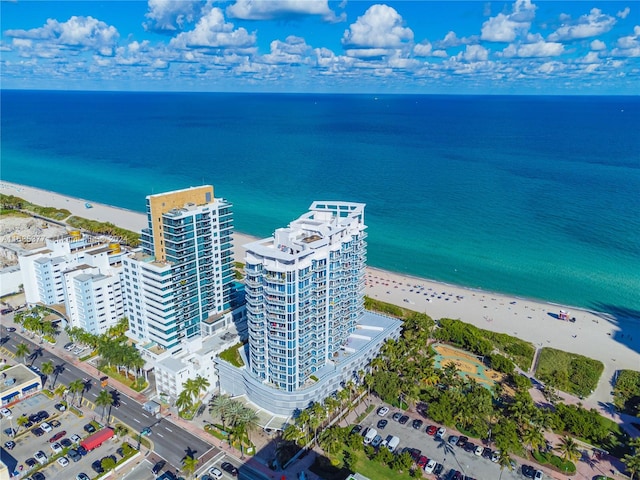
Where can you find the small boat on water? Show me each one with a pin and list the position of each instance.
(88, 205)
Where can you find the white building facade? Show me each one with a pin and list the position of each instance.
(81, 274)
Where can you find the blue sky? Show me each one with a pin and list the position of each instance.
(520, 47)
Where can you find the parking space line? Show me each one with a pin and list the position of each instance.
(136, 420)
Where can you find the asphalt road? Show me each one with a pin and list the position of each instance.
(170, 441)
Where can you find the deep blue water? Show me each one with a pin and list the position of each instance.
(533, 196)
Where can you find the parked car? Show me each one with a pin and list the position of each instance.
(381, 424)
(403, 419)
(46, 427)
(462, 441)
(56, 447)
(539, 475)
(60, 407)
(75, 438)
(157, 468)
(431, 430)
(6, 413)
(43, 415)
(63, 461)
(417, 424)
(478, 451)
(69, 346)
(38, 432)
(82, 476)
(396, 417)
(469, 447)
(356, 429)
(453, 439)
(74, 455)
(229, 468)
(495, 456)
(38, 476)
(215, 473)
(377, 440)
(382, 411)
(81, 450)
(66, 443)
(528, 471)
(430, 466)
(438, 469)
(486, 453)
(97, 467)
(89, 428)
(57, 436)
(10, 445)
(31, 462)
(422, 461)
(440, 433)
(40, 457)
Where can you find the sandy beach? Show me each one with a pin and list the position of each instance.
(613, 341)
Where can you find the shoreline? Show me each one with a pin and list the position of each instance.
(597, 335)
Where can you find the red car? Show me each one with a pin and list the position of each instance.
(431, 430)
(57, 436)
(422, 461)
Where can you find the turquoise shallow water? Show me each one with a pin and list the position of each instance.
(532, 196)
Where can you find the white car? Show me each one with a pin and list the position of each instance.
(382, 411)
(440, 433)
(478, 451)
(46, 427)
(215, 473)
(6, 413)
(63, 461)
(75, 438)
(539, 475)
(431, 464)
(56, 447)
(40, 457)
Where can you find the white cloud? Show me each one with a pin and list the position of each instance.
(272, 9)
(505, 28)
(595, 23)
(597, 45)
(474, 53)
(623, 13)
(628, 46)
(77, 32)
(590, 57)
(379, 27)
(293, 51)
(538, 49)
(423, 49)
(170, 15)
(213, 32)
(450, 40)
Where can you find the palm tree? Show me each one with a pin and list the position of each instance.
(504, 460)
(568, 449)
(22, 350)
(534, 438)
(184, 401)
(47, 369)
(249, 419)
(632, 461)
(293, 433)
(331, 441)
(22, 421)
(202, 384)
(76, 387)
(218, 406)
(104, 400)
(189, 465)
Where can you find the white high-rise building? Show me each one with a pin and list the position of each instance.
(80, 274)
(304, 292)
(308, 331)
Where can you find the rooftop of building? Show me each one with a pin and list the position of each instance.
(20, 374)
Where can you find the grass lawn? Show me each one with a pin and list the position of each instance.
(569, 372)
(369, 468)
(232, 355)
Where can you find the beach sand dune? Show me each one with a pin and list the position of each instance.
(597, 335)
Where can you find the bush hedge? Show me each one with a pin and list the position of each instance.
(569, 372)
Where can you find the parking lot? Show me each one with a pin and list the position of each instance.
(443, 452)
(27, 443)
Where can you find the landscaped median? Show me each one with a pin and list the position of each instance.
(556, 463)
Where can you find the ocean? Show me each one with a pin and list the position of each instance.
(534, 196)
